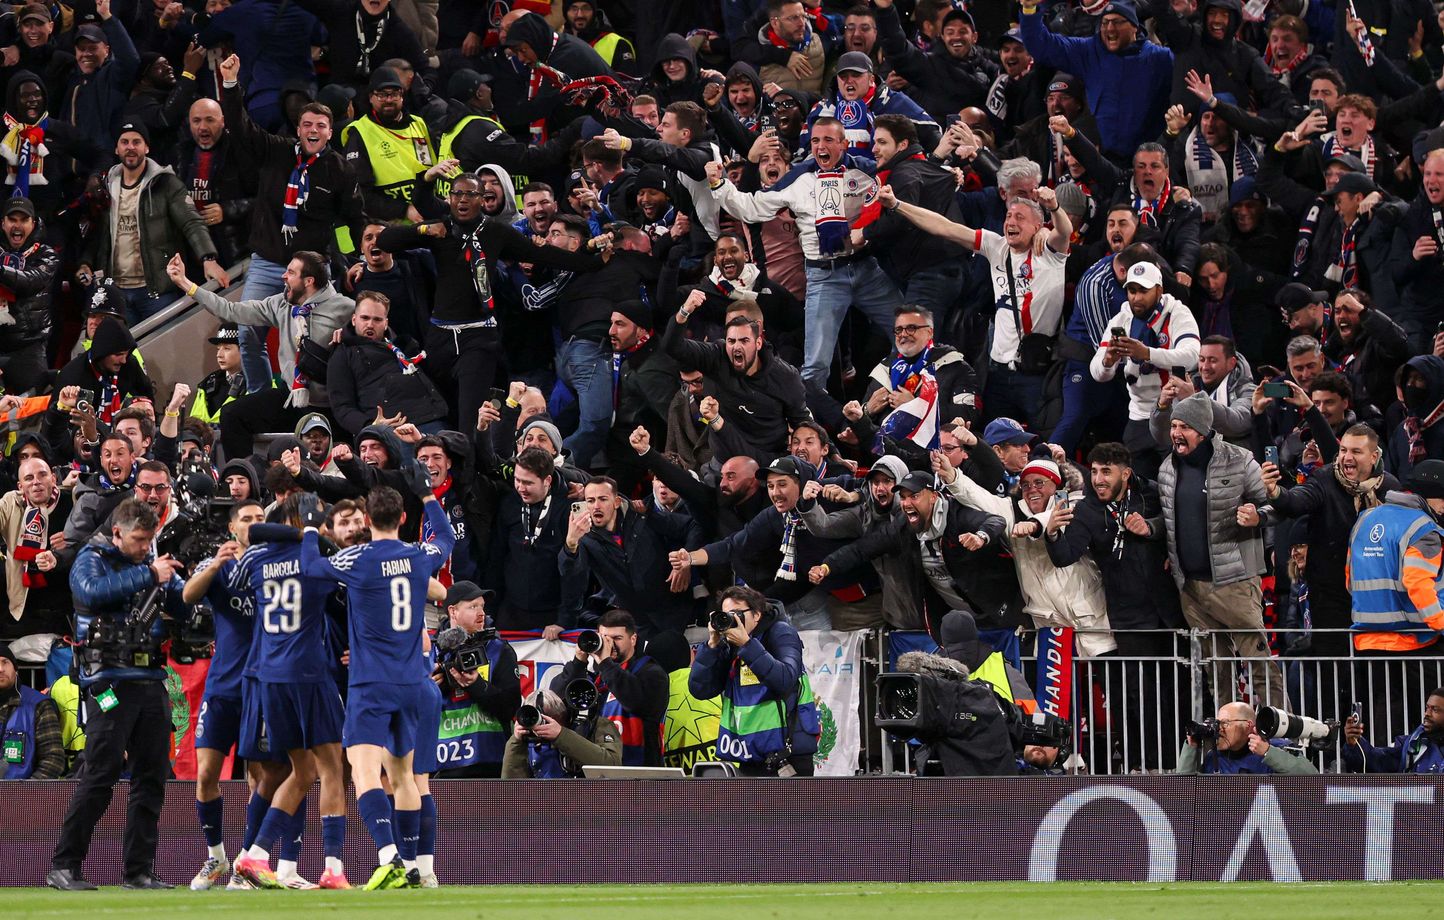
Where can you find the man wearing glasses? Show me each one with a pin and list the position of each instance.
(153, 488)
(900, 377)
(1239, 748)
(386, 149)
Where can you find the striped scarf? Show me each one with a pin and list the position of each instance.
(1366, 152)
(831, 220)
(617, 358)
(1345, 269)
(1208, 178)
(541, 75)
(791, 524)
(298, 187)
(300, 325)
(1414, 428)
(34, 540)
(24, 150)
(408, 365)
(1150, 212)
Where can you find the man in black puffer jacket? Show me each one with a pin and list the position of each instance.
(954, 75)
(27, 267)
(370, 370)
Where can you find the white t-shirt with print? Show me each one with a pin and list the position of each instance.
(1038, 280)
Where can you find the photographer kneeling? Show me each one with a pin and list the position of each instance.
(1237, 747)
(480, 687)
(769, 722)
(555, 737)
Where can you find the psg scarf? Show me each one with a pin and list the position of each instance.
(428, 532)
(298, 187)
(34, 540)
(917, 419)
(1151, 212)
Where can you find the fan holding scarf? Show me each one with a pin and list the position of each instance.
(827, 194)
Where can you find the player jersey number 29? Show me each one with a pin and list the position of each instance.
(400, 605)
(282, 612)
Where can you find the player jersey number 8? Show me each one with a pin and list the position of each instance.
(400, 605)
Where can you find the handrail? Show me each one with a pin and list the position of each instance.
(182, 305)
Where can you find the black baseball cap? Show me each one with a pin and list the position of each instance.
(463, 591)
(385, 78)
(918, 480)
(1294, 296)
(1355, 182)
(21, 205)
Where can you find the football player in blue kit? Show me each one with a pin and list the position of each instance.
(386, 581)
(299, 700)
(218, 726)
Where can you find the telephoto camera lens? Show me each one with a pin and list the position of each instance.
(588, 641)
(721, 620)
(528, 716)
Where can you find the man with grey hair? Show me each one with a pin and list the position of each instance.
(1026, 262)
(1216, 560)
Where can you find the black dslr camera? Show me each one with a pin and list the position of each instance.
(580, 696)
(1202, 732)
(722, 621)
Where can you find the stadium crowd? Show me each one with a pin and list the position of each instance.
(620, 316)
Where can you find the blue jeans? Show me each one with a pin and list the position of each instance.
(263, 279)
(830, 292)
(586, 367)
(141, 304)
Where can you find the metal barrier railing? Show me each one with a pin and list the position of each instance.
(1129, 710)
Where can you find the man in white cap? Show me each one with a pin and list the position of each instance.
(1153, 337)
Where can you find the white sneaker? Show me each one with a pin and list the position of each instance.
(239, 884)
(297, 883)
(429, 881)
(212, 871)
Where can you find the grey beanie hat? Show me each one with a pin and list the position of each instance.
(1072, 199)
(547, 427)
(1196, 412)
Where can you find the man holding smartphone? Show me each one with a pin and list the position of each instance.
(1420, 751)
(1152, 334)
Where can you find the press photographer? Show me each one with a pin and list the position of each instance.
(122, 595)
(480, 685)
(753, 660)
(634, 688)
(1238, 741)
(558, 734)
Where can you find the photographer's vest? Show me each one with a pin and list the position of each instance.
(690, 731)
(443, 152)
(18, 741)
(632, 728)
(396, 156)
(993, 670)
(606, 46)
(754, 721)
(1385, 618)
(470, 735)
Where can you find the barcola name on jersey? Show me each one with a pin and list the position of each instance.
(391, 567)
(274, 570)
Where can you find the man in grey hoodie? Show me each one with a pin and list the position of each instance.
(307, 313)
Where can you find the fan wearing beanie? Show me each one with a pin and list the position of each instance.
(1215, 560)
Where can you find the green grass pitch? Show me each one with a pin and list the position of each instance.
(872, 901)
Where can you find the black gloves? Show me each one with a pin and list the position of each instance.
(418, 479)
(309, 507)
